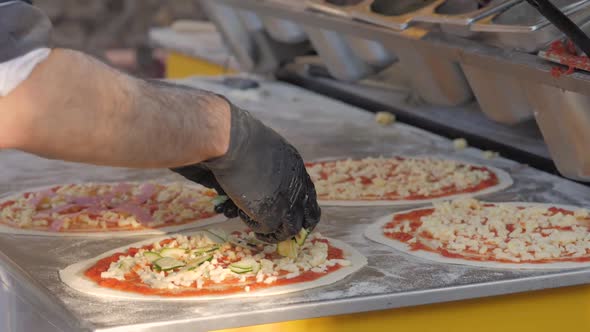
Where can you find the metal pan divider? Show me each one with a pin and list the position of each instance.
(284, 30)
(527, 38)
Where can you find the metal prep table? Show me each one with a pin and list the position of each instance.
(32, 298)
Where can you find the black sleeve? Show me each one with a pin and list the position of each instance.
(23, 28)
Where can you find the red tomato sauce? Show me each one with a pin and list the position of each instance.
(415, 223)
(133, 283)
(567, 55)
(6, 204)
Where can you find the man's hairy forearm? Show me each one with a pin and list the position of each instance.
(76, 108)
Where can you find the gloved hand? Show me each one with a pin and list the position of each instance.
(265, 179)
(202, 175)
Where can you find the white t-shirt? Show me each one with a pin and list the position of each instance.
(15, 71)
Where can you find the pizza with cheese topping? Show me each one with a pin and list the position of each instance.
(108, 208)
(508, 235)
(401, 180)
(212, 264)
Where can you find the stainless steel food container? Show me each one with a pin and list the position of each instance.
(336, 53)
(523, 28)
(251, 21)
(244, 34)
(371, 52)
(397, 14)
(564, 118)
(438, 81)
(501, 97)
(284, 31)
(234, 31)
(334, 7)
(298, 5)
(455, 16)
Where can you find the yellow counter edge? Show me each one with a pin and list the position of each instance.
(561, 309)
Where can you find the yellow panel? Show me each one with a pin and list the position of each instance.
(182, 66)
(556, 310)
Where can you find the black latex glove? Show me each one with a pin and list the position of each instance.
(265, 178)
(202, 175)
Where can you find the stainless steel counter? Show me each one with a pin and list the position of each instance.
(319, 127)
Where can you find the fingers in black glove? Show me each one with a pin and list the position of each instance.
(311, 208)
(202, 175)
(230, 210)
(305, 214)
(266, 178)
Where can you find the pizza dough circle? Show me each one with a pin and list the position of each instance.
(73, 276)
(504, 182)
(5, 229)
(375, 233)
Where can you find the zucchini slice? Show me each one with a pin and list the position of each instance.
(219, 199)
(218, 235)
(301, 237)
(151, 256)
(172, 252)
(238, 270)
(288, 248)
(206, 249)
(241, 243)
(245, 266)
(197, 262)
(168, 263)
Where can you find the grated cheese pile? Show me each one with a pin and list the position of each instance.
(502, 232)
(102, 206)
(240, 260)
(395, 178)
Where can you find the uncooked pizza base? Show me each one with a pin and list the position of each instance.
(4, 229)
(375, 233)
(73, 276)
(504, 181)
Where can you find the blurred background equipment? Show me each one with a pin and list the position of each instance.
(115, 30)
(460, 68)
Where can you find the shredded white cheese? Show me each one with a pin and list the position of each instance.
(102, 206)
(395, 178)
(502, 231)
(258, 264)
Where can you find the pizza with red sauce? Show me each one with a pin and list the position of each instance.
(471, 232)
(120, 208)
(212, 264)
(401, 180)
